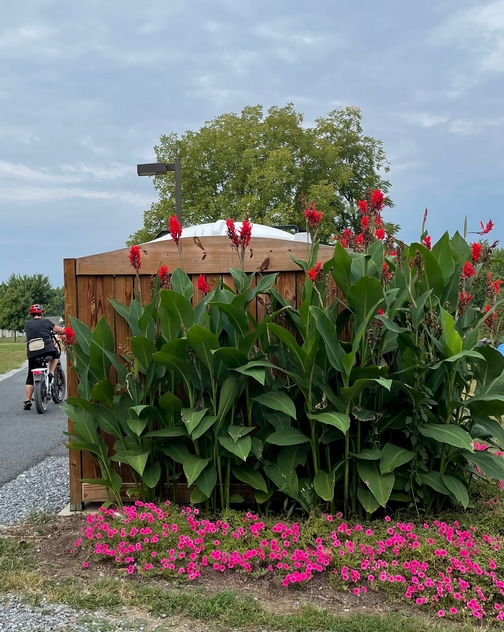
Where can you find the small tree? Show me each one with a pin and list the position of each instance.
(18, 294)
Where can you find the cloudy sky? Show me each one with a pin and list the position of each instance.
(87, 88)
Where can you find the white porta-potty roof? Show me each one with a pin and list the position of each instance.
(219, 228)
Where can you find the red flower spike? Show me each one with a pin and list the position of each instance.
(380, 233)
(313, 217)
(359, 239)
(134, 257)
(427, 242)
(343, 242)
(468, 270)
(69, 336)
(245, 233)
(377, 200)
(203, 286)
(486, 228)
(314, 273)
(163, 273)
(476, 248)
(492, 318)
(231, 232)
(175, 228)
(362, 206)
(364, 222)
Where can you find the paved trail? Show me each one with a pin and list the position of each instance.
(26, 438)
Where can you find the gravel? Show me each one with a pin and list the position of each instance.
(43, 488)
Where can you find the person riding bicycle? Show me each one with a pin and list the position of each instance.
(39, 342)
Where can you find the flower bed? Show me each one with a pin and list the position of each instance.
(440, 565)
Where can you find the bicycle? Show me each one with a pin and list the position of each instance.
(45, 389)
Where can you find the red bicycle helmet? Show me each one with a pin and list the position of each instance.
(36, 309)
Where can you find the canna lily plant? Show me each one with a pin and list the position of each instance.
(369, 394)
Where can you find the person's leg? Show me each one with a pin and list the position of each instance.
(29, 386)
(52, 365)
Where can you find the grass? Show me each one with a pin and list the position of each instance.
(12, 354)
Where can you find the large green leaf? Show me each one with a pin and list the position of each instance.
(175, 431)
(84, 423)
(432, 276)
(289, 436)
(434, 480)
(229, 394)
(379, 484)
(484, 426)
(444, 256)
(323, 483)
(207, 480)
(451, 337)
(192, 418)
(172, 404)
(203, 426)
(237, 319)
(256, 369)
(231, 357)
(203, 342)
(240, 448)
(251, 477)
(277, 400)
(289, 457)
(136, 460)
(103, 392)
(342, 264)
(367, 500)
(182, 284)
(327, 330)
(175, 364)
(151, 475)
(237, 432)
(143, 349)
(107, 421)
(394, 456)
(193, 465)
(447, 433)
(457, 488)
(489, 464)
(82, 333)
(178, 307)
(332, 418)
(176, 451)
(289, 341)
(364, 294)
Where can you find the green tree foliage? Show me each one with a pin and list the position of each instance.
(20, 292)
(265, 165)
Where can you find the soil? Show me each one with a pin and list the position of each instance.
(53, 542)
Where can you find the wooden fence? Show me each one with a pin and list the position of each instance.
(91, 281)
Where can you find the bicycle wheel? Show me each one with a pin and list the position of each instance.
(58, 385)
(40, 396)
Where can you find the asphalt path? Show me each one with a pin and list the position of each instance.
(27, 438)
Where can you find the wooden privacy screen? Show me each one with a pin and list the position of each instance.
(91, 281)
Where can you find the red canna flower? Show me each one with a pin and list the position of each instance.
(380, 311)
(476, 248)
(492, 318)
(468, 270)
(377, 200)
(313, 217)
(343, 242)
(134, 257)
(364, 222)
(69, 336)
(359, 239)
(427, 242)
(245, 233)
(464, 299)
(314, 273)
(380, 233)
(203, 286)
(386, 274)
(231, 232)
(164, 276)
(486, 228)
(175, 228)
(493, 287)
(362, 206)
(347, 233)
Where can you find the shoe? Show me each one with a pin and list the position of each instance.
(27, 404)
(51, 377)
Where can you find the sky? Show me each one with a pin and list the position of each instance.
(87, 89)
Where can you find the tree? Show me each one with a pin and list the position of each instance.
(19, 293)
(269, 167)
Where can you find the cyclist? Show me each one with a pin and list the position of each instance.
(39, 342)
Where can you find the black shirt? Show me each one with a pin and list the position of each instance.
(39, 328)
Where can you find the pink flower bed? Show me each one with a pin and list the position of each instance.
(436, 565)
